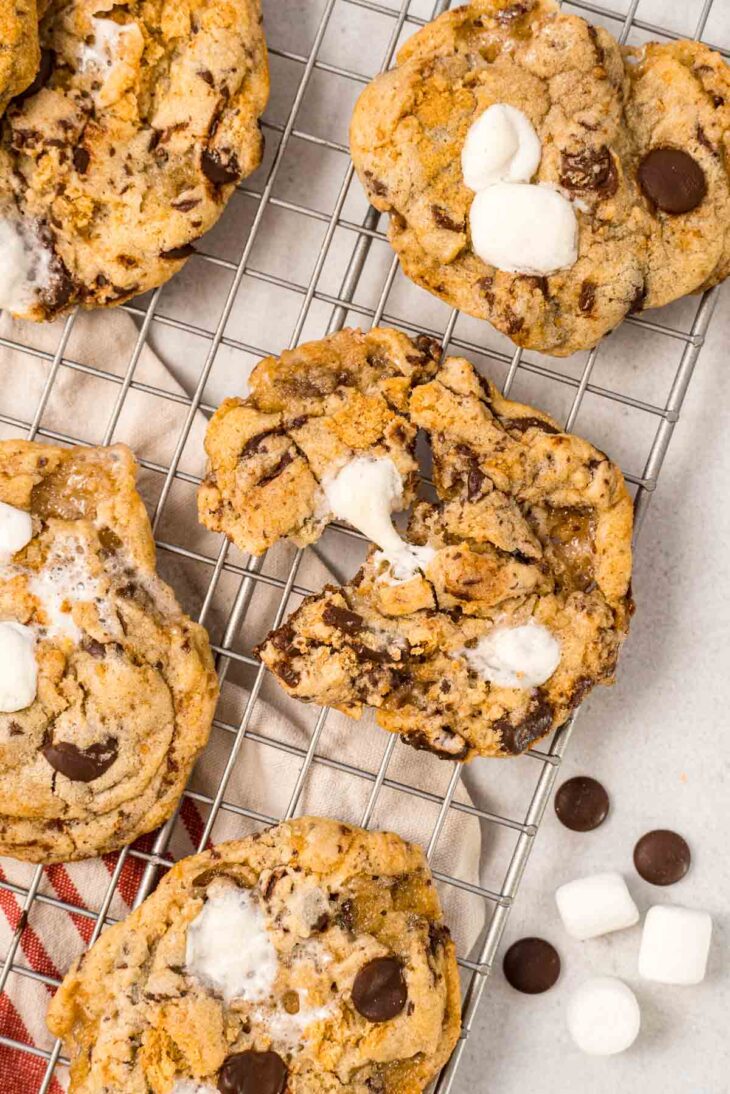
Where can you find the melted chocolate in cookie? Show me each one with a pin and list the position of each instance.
(253, 1073)
(672, 180)
(662, 857)
(581, 804)
(531, 965)
(81, 765)
(379, 992)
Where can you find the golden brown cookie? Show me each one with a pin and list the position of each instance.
(311, 958)
(115, 689)
(309, 412)
(596, 117)
(147, 117)
(522, 602)
(19, 50)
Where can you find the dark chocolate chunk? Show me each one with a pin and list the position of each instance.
(81, 765)
(535, 724)
(253, 1073)
(531, 965)
(443, 220)
(581, 804)
(662, 857)
(41, 78)
(342, 619)
(521, 425)
(219, 171)
(184, 251)
(587, 297)
(379, 992)
(81, 160)
(672, 180)
(591, 169)
(376, 185)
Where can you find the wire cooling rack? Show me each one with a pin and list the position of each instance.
(608, 400)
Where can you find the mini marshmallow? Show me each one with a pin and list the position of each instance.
(18, 667)
(524, 229)
(501, 146)
(16, 530)
(596, 905)
(603, 1016)
(675, 944)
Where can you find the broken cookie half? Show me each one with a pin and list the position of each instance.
(507, 602)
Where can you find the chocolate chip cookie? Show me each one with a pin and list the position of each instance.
(147, 117)
(112, 693)
(19, 52)
(596, 116)
(310, 411)
(310, 958)
(522, 596)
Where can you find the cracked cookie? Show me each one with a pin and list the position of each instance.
(311, 958)
(19, 52)
(509, 147)
(145, 116)
(273, 457)
(107, 690)
(516, 602)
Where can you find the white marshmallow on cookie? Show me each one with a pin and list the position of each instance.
(596, 905)
(675, 945)
(16, 526)
(524, 229)
(501, 146)
(18, 667)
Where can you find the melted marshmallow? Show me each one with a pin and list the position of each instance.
(287, 1031)
(192, 1086)
(501, 146)
(364, 493)
(18, 667)
(64, 580)
(516, 657)
(16, 530)
(109, 42)
(24, 268)
(524, 229)
(228, 947)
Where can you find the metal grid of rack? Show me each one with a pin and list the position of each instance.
(341, 306)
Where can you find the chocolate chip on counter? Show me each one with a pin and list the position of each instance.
(81, 765)
(342, 619)
(591, 169)
(379, 992)
(253, 1073)
(531, 965)
(219, 171)
(581, 804)
(672, 180)
(662, 857)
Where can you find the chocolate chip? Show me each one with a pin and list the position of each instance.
(443, 220)
(591, 169)
(531, 965)
(636, 303)
(42, 76)
(379, 992)
(342, 619)
(185, 251)
(587, 297)
(81, 160)
(474, 483)
(253, 1073)
(184, 205)
(376, 185)
(521, 425)
(672, 180)
(662, 857)
(94, 648)
(219, 171)
(515, 738)
(81, 765)
(581, 804)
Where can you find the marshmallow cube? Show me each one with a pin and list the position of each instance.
(603, 1016)
(675, 944)
(595, 905)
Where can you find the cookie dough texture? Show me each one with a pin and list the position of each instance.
(19, 52)
(310, 411)
(597, 112)
(333, 899)
(532, 524)
(147, 118)
(126, 686)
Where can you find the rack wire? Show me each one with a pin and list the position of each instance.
(338, 307)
